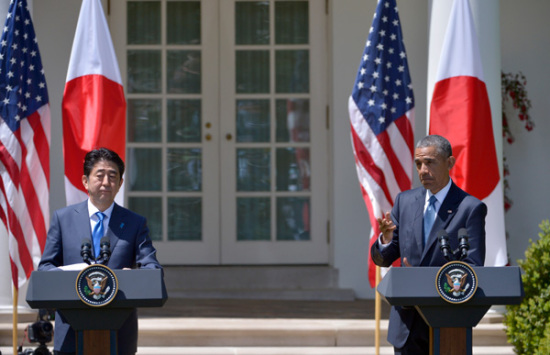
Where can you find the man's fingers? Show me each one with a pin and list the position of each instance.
(406, 262)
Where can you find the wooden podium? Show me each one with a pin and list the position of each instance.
(451, 324)
(96, 327)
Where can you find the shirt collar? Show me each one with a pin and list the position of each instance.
(441, 194)
(92, 210)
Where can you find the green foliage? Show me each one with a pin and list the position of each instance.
(528, 324)
(544, 347)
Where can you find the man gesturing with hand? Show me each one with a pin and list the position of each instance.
(409, 232)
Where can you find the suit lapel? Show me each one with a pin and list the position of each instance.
(444, 216)
(116, 226)
(419, 218)
(82, 218)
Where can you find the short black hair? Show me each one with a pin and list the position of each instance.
(99, 154)
(441, 144)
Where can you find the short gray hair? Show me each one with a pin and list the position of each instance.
(441, 144)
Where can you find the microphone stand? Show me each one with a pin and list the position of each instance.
(86, 251)
(105, 253)
(444, 245)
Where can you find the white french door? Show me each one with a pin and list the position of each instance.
(227, 138)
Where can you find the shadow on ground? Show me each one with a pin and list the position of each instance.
(207, 308)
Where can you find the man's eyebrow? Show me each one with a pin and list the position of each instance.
(424, 158)
(107, 170)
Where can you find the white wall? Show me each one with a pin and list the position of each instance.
(525, 47)
(350, 226)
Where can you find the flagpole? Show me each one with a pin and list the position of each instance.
(14, 331)
(377, 313)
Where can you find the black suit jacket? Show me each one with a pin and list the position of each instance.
(130, 246)
(458, 210)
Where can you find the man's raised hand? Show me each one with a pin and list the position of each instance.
(386, 228)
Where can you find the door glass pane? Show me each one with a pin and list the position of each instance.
(292, 71)
(145, 169)
(253, 169)
(292, 120)
(150, 208)
(144, 71)
(185, 218)
(293, 169)
(291, 22)
(184, 72)
(252, 22)
(293, 219)
(252, 71)
(184, 120)
(253, 218)
(184, 169)
(183, 22)
(144, 120)
(143, 22)
(253, 121)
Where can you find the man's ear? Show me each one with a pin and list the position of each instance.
(85, 182)
(452, 161)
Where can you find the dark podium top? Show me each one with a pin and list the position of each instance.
(57, 290)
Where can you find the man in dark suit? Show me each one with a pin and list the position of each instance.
(403, 233)
(127, 231)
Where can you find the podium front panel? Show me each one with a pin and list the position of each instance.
(57, 289)
(415, 286)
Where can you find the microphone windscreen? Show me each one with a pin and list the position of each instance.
(442, 233)
(462, 232)
(86, 242)
(104, 241)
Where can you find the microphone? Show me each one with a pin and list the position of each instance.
(463, 244)
(443, 238)
(105, 250)
(86, 250)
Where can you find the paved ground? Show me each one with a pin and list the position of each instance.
(287, 351)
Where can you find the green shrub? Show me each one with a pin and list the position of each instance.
(528, 324)
(544, 347)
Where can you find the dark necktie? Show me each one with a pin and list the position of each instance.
(97, 233)
(429, 218)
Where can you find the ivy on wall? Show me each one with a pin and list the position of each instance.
(513, 87)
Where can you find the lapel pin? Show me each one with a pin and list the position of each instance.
(449, 211)
(121, 225)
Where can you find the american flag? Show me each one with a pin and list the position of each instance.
(381, 109)
(24, 143)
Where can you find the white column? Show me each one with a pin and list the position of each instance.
(439, 18)
(486, 15)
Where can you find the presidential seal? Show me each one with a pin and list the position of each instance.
(96, 285)
(456, 282)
